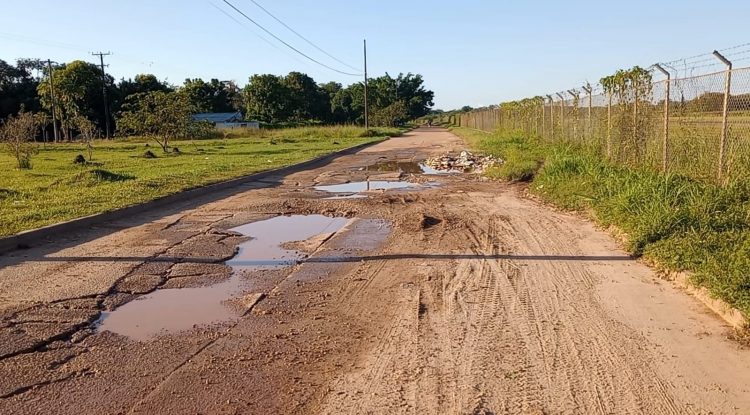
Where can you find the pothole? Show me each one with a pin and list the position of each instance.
(366, 186)
(412, 167)
(358, 190)
(275, 243)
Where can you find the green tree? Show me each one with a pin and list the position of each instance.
(162, 116)
(306, 98)
(18, 87)
(78, 92)
(267, 98)
(142, 83)
(212, 96)
(417, 99)
(329, 91)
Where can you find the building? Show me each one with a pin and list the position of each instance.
(222, 120)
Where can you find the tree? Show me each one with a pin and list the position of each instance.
(418, 100)
(395, 114)
(267, 98)
(307, 100)
(162, 116)
(18, 87)
(212, 96)
(17, 132)
(88, 133)
(142, 83)
(329, 91)
(78, 92)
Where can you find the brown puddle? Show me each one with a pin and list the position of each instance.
(412, 167)
(356, 187)
(174, 310)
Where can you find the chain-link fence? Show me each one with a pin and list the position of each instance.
(698, 126)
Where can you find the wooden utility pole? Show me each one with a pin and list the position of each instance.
(52, 99)
(104, 89)
(367, 115)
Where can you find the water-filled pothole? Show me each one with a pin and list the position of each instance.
(174, 310)
(412, 167)
(357, 187)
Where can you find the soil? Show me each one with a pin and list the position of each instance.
(465, 297)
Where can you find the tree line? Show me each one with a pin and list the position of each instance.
(77, 91)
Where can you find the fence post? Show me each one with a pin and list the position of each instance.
(725, 114)
(576, 113)
(589, 124)
(636, 144)
(544, 129)
(609, 125)
(665, 143)
(551, 117)
(562, 115)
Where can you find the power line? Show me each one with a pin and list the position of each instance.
(215, 6)
(287, 44)
(40, 42)
(309, 42)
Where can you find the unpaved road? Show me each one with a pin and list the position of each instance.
(466, 298)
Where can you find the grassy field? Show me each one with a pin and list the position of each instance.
(674, 221)
(56, 189)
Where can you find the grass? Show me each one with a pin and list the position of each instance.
(679, 223)
(56, 189)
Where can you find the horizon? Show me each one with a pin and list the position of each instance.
(396, 42)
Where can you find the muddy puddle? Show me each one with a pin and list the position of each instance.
(366, 186)
(411, 167)
(173, 310)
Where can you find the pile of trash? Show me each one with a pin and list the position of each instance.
(465, 162)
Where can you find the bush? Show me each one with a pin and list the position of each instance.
(17, 132)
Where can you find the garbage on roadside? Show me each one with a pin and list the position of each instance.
(465, 162)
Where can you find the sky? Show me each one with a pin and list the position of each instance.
(470, 52)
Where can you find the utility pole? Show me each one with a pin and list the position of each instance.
(104, 89)
(52, 99)
(367, 119)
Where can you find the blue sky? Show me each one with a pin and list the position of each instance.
(470, 52)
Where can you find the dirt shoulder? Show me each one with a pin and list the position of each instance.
(460, 298)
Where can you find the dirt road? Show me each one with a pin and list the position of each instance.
(459, 298)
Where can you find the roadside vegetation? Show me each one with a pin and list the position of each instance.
(54, 166)
(675, 222)
(64, 185)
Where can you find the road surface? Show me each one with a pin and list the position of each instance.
(460, 298)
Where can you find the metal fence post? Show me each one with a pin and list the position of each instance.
(576, 104)
(609, 125)
(665, 143)
(543, 117)
(562, 115)
(725, 114)
(551, 117)
(589, 124)
(636, 141)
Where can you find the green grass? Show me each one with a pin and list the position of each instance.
(679, 223)
(56, 189)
